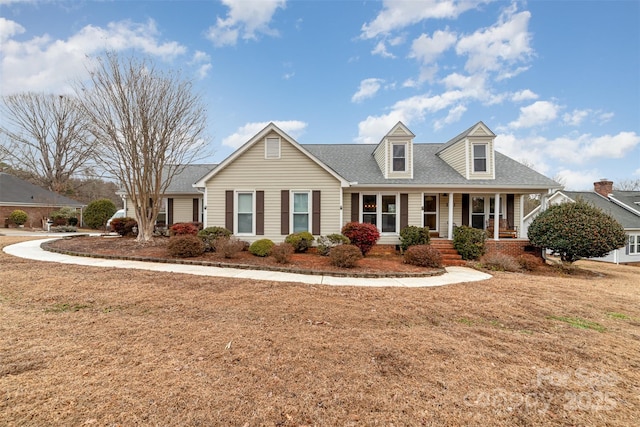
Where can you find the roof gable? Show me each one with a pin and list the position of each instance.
(270, 128)
(479, 129)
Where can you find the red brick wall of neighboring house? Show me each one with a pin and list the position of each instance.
(512, 247)
(36, 214)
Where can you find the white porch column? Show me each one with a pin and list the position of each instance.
(521, 219)
(496, 218)
(450, 222)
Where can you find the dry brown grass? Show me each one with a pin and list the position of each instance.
(84, 345)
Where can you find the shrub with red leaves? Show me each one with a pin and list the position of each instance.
(363, 236)
(183, 229)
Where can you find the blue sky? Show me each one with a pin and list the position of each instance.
(557, 81)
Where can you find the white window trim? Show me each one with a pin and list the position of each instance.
(236, 212)
(292, 210)
(273, 139)
(486, 157)
(636, 236)
(379, 211)
(406, 155)
(437, 196)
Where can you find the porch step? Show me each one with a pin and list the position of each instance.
(450, 257)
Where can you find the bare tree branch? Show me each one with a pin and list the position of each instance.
(148, 125)
(47, 137)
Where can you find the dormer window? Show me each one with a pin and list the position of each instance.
(399, 157)
(272, 148)
(479, 157)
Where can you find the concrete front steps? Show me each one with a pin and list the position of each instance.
(450, 257)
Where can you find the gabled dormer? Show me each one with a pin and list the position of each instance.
(471, 153)
(394, 153)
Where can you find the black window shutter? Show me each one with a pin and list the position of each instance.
(228, 210)
(511, 210)
(284, 212)
(465, 209)
(169, 211)
(260, 213)
(355, 207)
(315, 209)
(196, 210)
(404, 210)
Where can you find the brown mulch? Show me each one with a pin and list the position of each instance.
(111, 347)
(375, 263)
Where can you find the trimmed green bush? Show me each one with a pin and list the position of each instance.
(98, 212)
(423, 256)
(576, 230)
(412, 235)
(345, 256)
(18, 217)
(300, 241)
(326, 243)
(64, 216)
(261, 247)
(185, 246)
(282, 252)
(364, 236)
(469, 242)
(210, 234)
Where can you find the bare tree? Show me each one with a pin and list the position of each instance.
(148, 125)
(628, 185)
(46, 137)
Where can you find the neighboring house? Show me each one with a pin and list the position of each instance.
(624, 206)
(37, 202)
(273, 186)
(181, 202)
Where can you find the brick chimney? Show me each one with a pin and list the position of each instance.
(604, 187)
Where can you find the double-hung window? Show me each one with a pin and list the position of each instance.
(399, 157)
(245, 212)
(301, 211)
(381, 211)
(479, 157)
(633, 246)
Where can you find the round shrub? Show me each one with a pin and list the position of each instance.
(183, 228)
(301, 241)
(18, 217)
(282, 252)
(124, 226)
(64, 216)
(98, 212)
(530, 262)
(261, 247)
(185, 246)
(326, 243)
(412, 235)
(364, 236)
(423, 256)
(345, 256)
(500, 262)
(210, 234)
(469, 242)
(576, 230)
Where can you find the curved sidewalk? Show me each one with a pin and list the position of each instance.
(31, 249)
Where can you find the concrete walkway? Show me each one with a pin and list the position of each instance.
(31, 249)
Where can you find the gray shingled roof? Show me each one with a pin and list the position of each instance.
(623, 216)
(355, 162)
(15, 191)
(183, 182)
(460, 136)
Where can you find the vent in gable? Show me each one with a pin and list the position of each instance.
(272, 148)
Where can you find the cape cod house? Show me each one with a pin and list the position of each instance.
(273, 186)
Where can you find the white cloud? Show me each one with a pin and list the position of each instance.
(245, 19)
(605, 117)
(426, 49)
(529, 150)
(293, 128)
(398, 14)
(455, 114)
(498, 47)
(368, 88)
(581, 180)
(381, 49)
(524, 95)
(576, 117)
(202, 61)
(44, 64)
(536, 114)
(9, 29)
